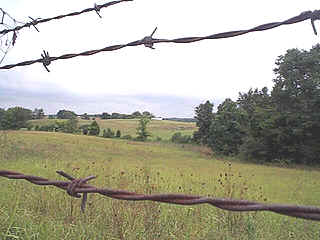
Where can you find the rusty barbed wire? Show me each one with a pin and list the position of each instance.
(34, 22)
(76, 187)
(149, 41)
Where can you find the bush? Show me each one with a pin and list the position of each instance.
(127, 137)
(179, 138)
(85, 129)
(108, 133)
(118, 134)
(94, 129)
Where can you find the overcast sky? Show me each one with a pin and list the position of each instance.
(168, 81)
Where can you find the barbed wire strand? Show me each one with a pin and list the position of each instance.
(34, 22)
(149, 41)
(7, 42)
(76, 187)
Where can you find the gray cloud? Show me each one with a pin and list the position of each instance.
(51, 97)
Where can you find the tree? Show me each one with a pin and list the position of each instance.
(204, 118)
(16, 118)
(2, 114)
(94, 129)
(38, 113)
(69, 126)
(66, 114)
(105, 115)
(147, 114)
(115, 116)
(142, 132)
(296, 95)
(108, 133)
(136, 114)
(225, 132)
(85, 116)
(118, 133)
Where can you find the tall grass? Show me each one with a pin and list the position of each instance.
(28, 211)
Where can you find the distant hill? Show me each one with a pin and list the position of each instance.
(181, 119)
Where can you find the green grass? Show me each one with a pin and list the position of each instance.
(158, 128)
(28, 211)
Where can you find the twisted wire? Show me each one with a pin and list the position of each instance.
(34, 22)
(76, 187)
(149, 41)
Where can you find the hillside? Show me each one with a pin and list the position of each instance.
(158, 128)
(49, 213)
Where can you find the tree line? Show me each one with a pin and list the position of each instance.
(281, 125)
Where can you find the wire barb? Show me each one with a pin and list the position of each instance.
(46, 60)
(34, 22)
(315, 15)
(74, 184)
(148, 40)
(97, 9)
(14, 38)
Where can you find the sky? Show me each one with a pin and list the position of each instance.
(170, 80)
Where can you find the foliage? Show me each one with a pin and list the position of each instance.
(225, 132)
(38, 113)
(108, 133)
(69, 126)
(66, 114)
(85, 129)
(94, 129)
(85, 116)
(283, 126)
(15, 118)
(204, 118)
(179, 138)
(127, 137)
(142, 132)
(118, 133)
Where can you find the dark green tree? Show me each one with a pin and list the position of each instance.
(142, 131)
(16, 118)
(66, 114)
(226, 133)
(204, 116)
(296, 95)
(38, 113)
(118, 133)
(2, 114)
(136, 114)
(94, 129)
(147, 114)
(105, 115)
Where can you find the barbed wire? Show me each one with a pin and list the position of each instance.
(149, 41)
(6, 41)
(75, 187)
(37, 21)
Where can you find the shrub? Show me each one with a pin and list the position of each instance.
(179, 138)
(128, 137)
(94, 129)
(108, 133)
(118, 134)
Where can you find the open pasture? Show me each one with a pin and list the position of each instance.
(28, 211)
(158, 128)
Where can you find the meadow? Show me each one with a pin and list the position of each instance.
(158, 128)
(28, 211)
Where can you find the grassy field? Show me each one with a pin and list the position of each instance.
(28, 211)
(158, 128)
